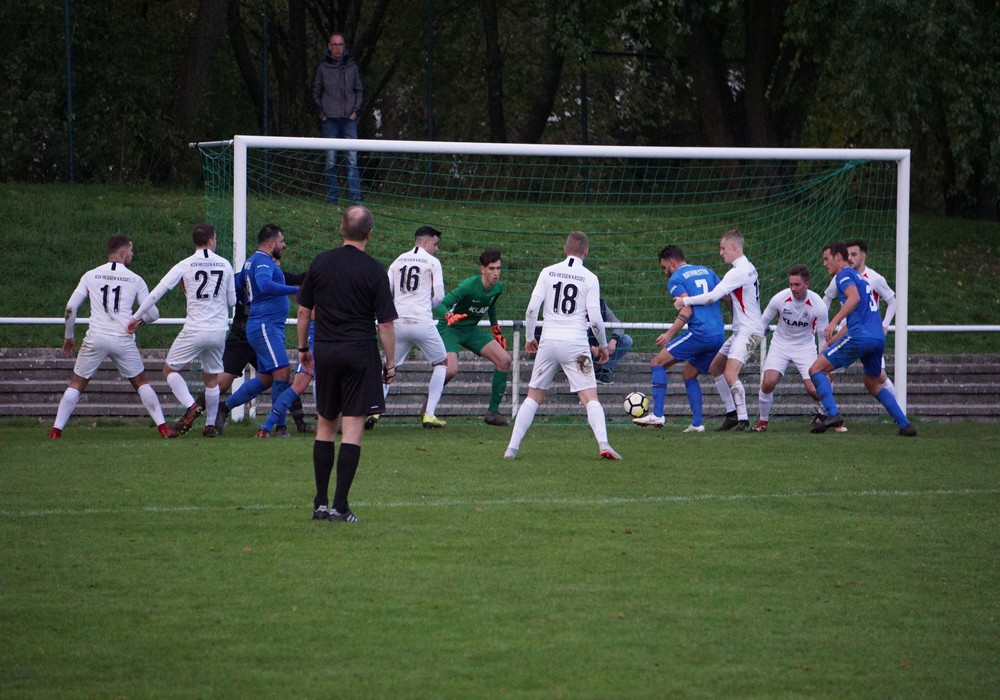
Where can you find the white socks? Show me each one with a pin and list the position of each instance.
(181, 392)
(152, 403)
(740, 399)
(436, 388)
(595, 418)
(764, 403)
(725, 392)
(525, 415)
(211, 404)
(66, 406)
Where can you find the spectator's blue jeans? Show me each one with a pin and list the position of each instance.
(624, 345)
(341, 129)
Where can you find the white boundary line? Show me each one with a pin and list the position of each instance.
(585, 502)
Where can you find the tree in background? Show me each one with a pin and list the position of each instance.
(150, 77)
(919, 75)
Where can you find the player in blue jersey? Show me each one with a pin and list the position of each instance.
(263, 286)
(697, 347)
(861, 338)
(282, 403)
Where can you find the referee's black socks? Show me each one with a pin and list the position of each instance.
(323, 454)
(347, 467)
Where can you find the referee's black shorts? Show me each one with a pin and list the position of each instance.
(237, 355)
(348, 379)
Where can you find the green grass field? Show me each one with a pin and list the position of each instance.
(713, 565)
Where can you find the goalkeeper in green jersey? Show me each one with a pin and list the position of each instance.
(461, 310)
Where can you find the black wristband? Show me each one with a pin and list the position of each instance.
(305, 349)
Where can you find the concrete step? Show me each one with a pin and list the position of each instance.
(940, 387)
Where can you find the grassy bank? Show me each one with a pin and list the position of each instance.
(51, 234)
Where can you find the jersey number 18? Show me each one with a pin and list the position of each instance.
(564, 299)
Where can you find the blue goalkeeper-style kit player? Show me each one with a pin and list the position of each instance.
(262, 283)
(862, 338)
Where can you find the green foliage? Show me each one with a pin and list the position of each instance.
(865, 73)
(749, 567)
(923, 76)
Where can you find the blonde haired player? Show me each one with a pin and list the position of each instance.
(569, 296)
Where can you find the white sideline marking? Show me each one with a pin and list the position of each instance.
(585, 502)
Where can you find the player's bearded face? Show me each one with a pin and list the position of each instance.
(854, 257)
(798, 287)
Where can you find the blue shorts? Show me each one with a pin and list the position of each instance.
(268, 340)
(848, 350)
(697, 350)
(312, 340)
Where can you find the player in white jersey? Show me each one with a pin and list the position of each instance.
(800, 317)
(113, 290)
(417, 284)
(743, 289)
(569, 296)
(207, 281)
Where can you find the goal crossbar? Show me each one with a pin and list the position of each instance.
(901, 157)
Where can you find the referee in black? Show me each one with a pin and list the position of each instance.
(349, 291)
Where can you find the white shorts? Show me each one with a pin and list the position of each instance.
(122, 351)
(573, 356)
(422, 334)
(779, 356)
(190, 345)
(740, 346)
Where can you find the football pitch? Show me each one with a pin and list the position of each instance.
(703, 565)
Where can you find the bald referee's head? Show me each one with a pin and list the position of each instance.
(356, 224)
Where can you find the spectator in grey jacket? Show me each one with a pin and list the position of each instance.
(338, 93)
(619, 343)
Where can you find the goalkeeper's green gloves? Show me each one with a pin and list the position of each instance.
(498, 336)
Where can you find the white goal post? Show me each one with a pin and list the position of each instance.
(900, 157)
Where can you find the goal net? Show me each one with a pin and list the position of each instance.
(631, 202)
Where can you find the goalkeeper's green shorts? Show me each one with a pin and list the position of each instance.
(466, 335)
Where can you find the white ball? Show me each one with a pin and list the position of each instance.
(636, 404)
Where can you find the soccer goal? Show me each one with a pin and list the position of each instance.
(631, 202)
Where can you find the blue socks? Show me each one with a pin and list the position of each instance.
(279, 407)
(693, 389)
(888, 399)
(247, 391)
(825, 391)
(659, 389)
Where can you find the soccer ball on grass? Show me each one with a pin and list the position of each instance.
(636, 404)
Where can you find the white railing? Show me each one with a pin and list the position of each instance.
(516, 340)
